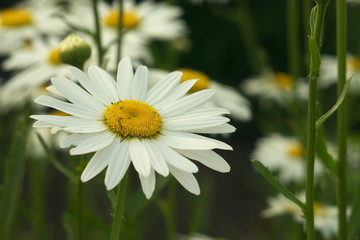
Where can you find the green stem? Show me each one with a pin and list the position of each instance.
(306, 14)
(341, 117)
(120, 28)
(293, 30)
(119, 209)
(311, 133)
(169, 215)
(79, 214)
(98, 32)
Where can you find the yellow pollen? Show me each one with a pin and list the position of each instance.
(296, 150)
(15, 17)
(130, 19)
(201, 84)
(131, 118)
(53, 57)
(284, 81)
(353, 63)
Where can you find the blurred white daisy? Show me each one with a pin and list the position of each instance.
(197, 2)
(147, 20)
(325, 216)
(328, 72)
(279, 87)
(124, 122)
(28, 21)
(226, 96)
(284, 155)
(199, 236)
(37, 62)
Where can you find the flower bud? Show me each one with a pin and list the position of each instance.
(74, 51)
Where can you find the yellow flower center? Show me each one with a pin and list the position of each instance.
(53, 57)
(130, 19)
(201, 84)
(284, 81)
(296, 150)
(15, 17)
(131, 118)
(353, 63)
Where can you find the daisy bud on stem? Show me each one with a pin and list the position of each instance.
(74, 50)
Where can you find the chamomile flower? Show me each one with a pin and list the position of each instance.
(328, 72)
(278, 87)
(28, 21)
(146, 20)
(226, 96)
(325, 216)
(285, 155)
(123, 122)
(38, 62)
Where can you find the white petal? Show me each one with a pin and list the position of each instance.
(124, 78)
(118, 165)
(139, 157)
(186, 103)
(187, 180)
(77, 95)
(66, 121)
(97, 163)
(88, 85)
(208, 158)
(177, 136)
(163, 87)
(223, 128)
(148, 184)
(140, 84)
(68, 108)
(85, 129)
(156, 158)
(194, 123)
(104, 82)
(93, 143)
(175, 159)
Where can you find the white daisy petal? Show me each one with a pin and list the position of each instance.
(65, 121)
(97, 163)
(124, 78)
(187, 180)
(156, 158)
(139, 157)
(175, 159)
(181, 140)
(85, 129)
(93, 143)
(76, 95)
(139, 88)
(118, 165)
(208, 158)
(194, 123)
(186, 103)
(223, 128)
(163, 87)
(148, 184)
(105, 82)
(68, 108)
(88, 85)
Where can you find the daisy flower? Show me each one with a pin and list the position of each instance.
(28, 21)
(285, 155)
(278, 87)
(328, 72)
(123, 122)
(38, 62)
(325, 216)
(226, 96)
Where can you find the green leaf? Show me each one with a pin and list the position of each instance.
(14, 171)
(340, 100)
(313, 15)
(315, 57)
(275, 182)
